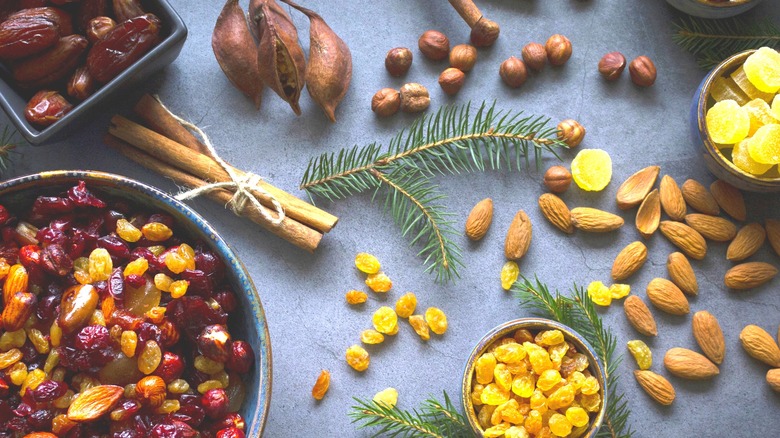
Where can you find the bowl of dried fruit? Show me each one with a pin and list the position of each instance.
(714, 8)
(534, 377)
(125, 314)
(59, 63)
(735, 120)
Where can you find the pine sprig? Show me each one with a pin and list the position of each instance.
(7, 147)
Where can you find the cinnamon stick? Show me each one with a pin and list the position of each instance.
(161, 121)
(291, 230)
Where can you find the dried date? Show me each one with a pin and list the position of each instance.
(127, 9)
(25, 36)
(46, 107)
(81, 84)
(89, 9)
(122, 46)
(51, 65)
(57, 15)
(99, 27)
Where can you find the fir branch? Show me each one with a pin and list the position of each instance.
(7, 147)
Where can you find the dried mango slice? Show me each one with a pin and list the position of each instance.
(759, 113)
(764, 146)
(743, 83)
(725, 88)
(762, 68)
(727, 122)
(741, 158)
(592, 169)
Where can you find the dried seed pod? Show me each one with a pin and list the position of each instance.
(235, 50)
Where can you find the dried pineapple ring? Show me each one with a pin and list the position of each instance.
(764, 146)
(763, 69)
(727, 122)
(592, 169)
(741, 158)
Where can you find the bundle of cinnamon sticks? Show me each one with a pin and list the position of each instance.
(166, 147)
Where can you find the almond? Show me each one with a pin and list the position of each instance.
(712, 227)
(699, 198)
(773, 379)
(594, 220)
(709, 336)
(667, 297)
(629, 260)
(685, 238)
(518, 238)
(17, 310)
(749, 275)
(94, 402)
(16, 281)
(748, 240)
(672, 198)
(649, 215)
(656, 386)
(689, 364)
(555, 210)
(40, 435)
(479, 219)
(639, 316)
(681, 273)
(730, 199)
(634, 189)
(773, 234)
(760, 345)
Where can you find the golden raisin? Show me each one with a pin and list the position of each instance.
(509, 273)
(405, 305)
(420, 326)
(385, 320)
(356, 297)
(136, 267)
(494, 395)
(387, 397)
(358, 358)
(150, 358)
(175, 262)
(178, 386)
(436, 320)
(321, 385)
(484, 367)
(510, 353)
(559, 425)
(367, 263)
(127, 231)
(371, 337)
(100, 264)
(208, 385)
(379, 282)
(129, 342)
(577, 416)
(179, 288)
(156, 232)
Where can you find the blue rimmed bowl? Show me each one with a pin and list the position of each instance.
(250, 325)
(533, 325)
(710, 9)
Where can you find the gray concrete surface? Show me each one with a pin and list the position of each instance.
(310, 324)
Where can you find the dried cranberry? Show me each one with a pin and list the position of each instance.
(47, 391)
(47, 307)
(109, 219)
(23, 410)
(18, 425)
(191, 408)
(215, 403)
(4, 215)
(95, 225)
(241, 357)
(172, 429)
(93, 337)
(191, 314)
(209, 263)
(227, 300)
(30, 255)
(200, 283)
(3, 387)
(115, 246)
(171, 367)
(84, 198)
(49, 236)
(56, 261)
(41, 419)
(81, 242)
(135, 281)
(75, 359)
(155, 265)
(102, 288)
(50, 205)
(6, 412)
(130, 407)
(148, 332)
(126, 433)
(162, 218)
(231, 432)
(29, 353)
(116, 284)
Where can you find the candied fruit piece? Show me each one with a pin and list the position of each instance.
(496, 431)
(385, 320)
(405, 305)
(356, 297)
(641, 353)
(358, 358)
(510, 353)
(509, 273)
(494, 395)
(762, 68)
(764, 145)
(127, 231)
(725, 88)
(524, 386)
(156, 232)
(748, 89)
(533, 422)
(549, 337)
(618, 291)
(548, 379)
(476, 394)
(775, 109)
(759, 113)
(577, 416)
(561, 398)
(387, 397)
(436, 320)
(484, 367)
(592, 169)
(379, 282)
(100, 264)
(516, 432)
(727, 122)
(559, 425)
(742, 159)
(367, 263)
(502, 377)
(371, 337)
(420, 326)
(599, 293)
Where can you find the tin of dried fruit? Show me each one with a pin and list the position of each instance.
(235, 50)
(518, 237)
(636, 187)
(479, 219)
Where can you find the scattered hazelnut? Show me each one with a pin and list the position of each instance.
(535, 56)
(463, 57)
(558, 49)
(642, 71)
(451, 80)
(434, 45)
(484, 32)
(513, 72)
(557, 179)
(398, 61)
(414, 98)
(386, 102)
(612, 65)
(571, 132)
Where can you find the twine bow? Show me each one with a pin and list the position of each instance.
(243, 185)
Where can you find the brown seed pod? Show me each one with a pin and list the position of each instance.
(234, 48)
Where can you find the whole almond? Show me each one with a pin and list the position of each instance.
(773, 379)
(555, 210)
(749, 275)
(760, 345)
(730, 199)
(672, 199)
(634, 189)
(648, 217)
(748, 240)
(773, 234)
(689, 364)
(94, 402)
(17, 310)
(594, 220)
(681, 273)
(712, 227)
(629, 260)
(656, 386)
(639, 316)
(16, 281)
(699, 198)
(667, 297)
(686, 238)
(518, 238)
(479, 220)
(709, 336)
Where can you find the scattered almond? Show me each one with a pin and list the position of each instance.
(686, 238)
(749, 275)
(634, 189)
(773, 234)
(773, 379)
(656, 386)
(748, 240)
(18, 310)
(479, 220)
(730, 199)
(594, 220)
(760, 345)
(629, 260)
(518, 238)
(699, 198)
(639, 316)
(664, 295)
(649, 214)
(681, 273)
(712, 227)
(555, 210)
(689, 364)
(672, 199)
(709, 336)
(94, 402)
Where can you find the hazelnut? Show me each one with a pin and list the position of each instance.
(557, 179)
(484, 32)
(214, 342)
(612, 65)
(535, 56)
(386, 102)
(398, 61)
(558, 49)
(434, 45)
(414, 98)
(513, 72)
(451, 80)
(571, 132)
(642, 71)
(463, 57)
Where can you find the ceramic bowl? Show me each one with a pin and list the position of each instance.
(14, 101)
(718, 163)
(534, 325)
(709, 9)
(248, 323)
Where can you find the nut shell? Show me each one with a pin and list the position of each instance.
(513, 72)
(451, 80)
(571, 132)
(414, 98)
(557, 179)
(558, 49)
(611, 65)
(642, 71)
(434, 45)
(386, 102)
(535, 56)
(479, 220)
(463, 57)
(398, 61)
